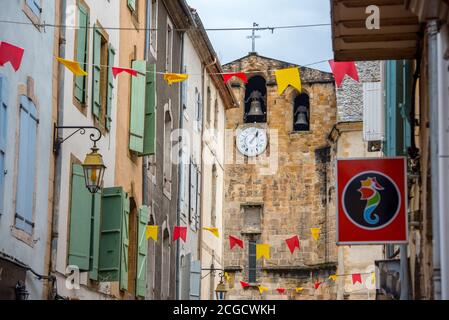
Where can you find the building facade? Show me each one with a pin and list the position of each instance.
(282, 192)
(27, 102)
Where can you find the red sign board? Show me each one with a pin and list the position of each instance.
(372, 201)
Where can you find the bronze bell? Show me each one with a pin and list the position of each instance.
(301, 119)
(255, 109)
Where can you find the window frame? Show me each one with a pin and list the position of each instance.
(31, 14)
(169, 47)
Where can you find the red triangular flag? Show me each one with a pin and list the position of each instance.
(280, 290)
(116, 71)
(240, 75)
(180, 232)
(244, 284)
(317, 284)
(356, 277)
(12, 54)
(340, 69)
(235, 241)
(293, 243)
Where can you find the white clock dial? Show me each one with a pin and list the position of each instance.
(252, 141)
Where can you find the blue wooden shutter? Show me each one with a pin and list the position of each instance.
(142, 253)
(3, 130)
(96, 74)
(149, 143)
(81, 51)
(109, 97)
(95, 236)
(27, 162)
(195, 280)
(137, 118)
(114, 212)
(80, 221)
(35, 6)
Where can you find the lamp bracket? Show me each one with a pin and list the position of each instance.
(57, 140)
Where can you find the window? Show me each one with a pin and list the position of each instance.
(199, 110)
(213, 213)
(169, 48)
(27, 165)
(167, 165)
(208, 106)
(81, 51)
(165, 265)
(252, 216)
(103, 55)
(152, 34)
(252, 261)
(3, 130)
(301, 112)
(216, 114)
(194, 178)
(256, 100)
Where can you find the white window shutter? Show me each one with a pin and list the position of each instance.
(373, 113)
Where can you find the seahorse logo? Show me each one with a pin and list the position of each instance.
(370, 192)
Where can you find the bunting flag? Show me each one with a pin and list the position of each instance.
(12, 54)
(244, 284)
(373, 277)
(315, 233)
(213, 230)
(340, 69)
(180, 232)
(240, 75)
(286, 77)
(280, 290)
(116, 71)
(356, 277)
(227, 276)
(233, 241)
(175, 77)
(293, 243)
(317, 285)
(333, 277)
(73, 66)
(262, 289)
(152, 232)
(299, 289)
(262, 250)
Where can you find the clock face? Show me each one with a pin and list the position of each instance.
(252, 141)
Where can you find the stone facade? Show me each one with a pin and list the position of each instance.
(292, 195)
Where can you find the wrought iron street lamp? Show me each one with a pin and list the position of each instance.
(221, 290)
(93, 165)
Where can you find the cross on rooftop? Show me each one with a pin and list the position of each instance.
(253, 36)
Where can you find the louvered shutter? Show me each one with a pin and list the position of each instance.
(109, 97)
(195, 280)
(96, 74)
(95, 236)
(142, 253)
(81, 52)
(373, 118)
(149, 143)
(137, 121)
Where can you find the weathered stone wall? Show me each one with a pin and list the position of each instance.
(293, 197)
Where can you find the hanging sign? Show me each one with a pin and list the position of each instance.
(372, 201)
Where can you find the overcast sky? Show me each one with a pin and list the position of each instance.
(300, 46)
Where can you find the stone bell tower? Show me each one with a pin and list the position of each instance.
(276, 182)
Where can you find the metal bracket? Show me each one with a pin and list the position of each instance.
(57, 141)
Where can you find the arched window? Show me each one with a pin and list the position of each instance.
(301, 112)
(256, 100)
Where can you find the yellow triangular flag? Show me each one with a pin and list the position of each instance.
(227, 277)
(175, 77)
(298, 290)
(333, 277)
(262, 250)
(373, 277)
(213, 230)
(262, 289)
(315, 233)
(286, 77)
(152, 232)
(73, 66)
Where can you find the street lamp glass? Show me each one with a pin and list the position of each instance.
(221, 291)
(94, 170)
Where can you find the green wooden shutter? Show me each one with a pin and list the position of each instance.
(115, 205)
(142, 253)
(95, 236)
(124, 263)
(80, 220)
(149, 141)
(96, 74)
(136, 128)
(111, 55)
(132, 4)
(81, 52)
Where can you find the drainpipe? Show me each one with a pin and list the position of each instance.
(443, 158)
(180, 172)
(58, 164)
(432, 31)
